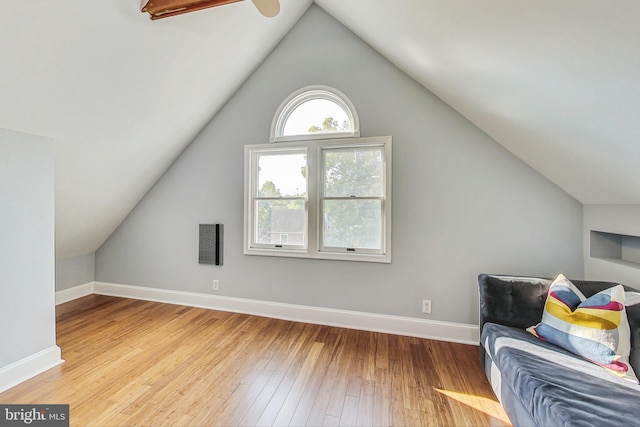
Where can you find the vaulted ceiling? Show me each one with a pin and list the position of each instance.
(556, 83)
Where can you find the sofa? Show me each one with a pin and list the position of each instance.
(539, 383)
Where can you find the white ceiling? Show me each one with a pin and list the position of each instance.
(556, 83)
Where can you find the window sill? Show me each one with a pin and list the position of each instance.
(334, 256)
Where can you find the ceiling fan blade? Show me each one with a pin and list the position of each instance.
(268, 8)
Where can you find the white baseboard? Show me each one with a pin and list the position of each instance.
(76, 292)
(17, 372)
(398, 325)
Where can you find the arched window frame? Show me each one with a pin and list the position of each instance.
(299, 97)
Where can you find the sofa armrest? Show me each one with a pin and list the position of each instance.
(512, 300)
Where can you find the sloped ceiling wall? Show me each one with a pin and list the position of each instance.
(120, 94)
(553, 82)
(556, 83)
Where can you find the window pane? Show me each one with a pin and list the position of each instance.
(353, 172)
(317, 116)
(280, 221)
(352, 224)
(282, 175)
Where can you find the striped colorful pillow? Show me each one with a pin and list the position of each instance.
(595, 328)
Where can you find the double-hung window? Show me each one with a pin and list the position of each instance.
(327, 199)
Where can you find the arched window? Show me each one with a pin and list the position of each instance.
(315, 112)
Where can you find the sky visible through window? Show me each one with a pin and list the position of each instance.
(285, 171)
(312, 113)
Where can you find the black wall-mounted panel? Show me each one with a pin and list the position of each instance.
(210, 244)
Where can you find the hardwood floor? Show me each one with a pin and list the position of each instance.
(131, 362)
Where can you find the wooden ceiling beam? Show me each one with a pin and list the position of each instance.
(158, 9)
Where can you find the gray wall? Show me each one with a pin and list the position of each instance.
(617, 219)
(462, 205)
(27, 307)
(75, 271)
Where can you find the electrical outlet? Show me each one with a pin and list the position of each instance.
(216, 285)
(426, 306)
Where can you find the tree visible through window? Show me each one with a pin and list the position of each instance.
(352, 198)
(331, 125)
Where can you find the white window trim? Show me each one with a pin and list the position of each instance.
(312, 248)
(303, 95)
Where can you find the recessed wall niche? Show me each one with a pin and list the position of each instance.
(619, 248)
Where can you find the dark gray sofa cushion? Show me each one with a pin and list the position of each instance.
(557, 387)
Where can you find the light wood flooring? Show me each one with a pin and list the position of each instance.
(138, 363)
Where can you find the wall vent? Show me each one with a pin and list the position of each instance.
(210, 248)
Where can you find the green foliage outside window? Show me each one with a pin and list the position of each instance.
(353, 174)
